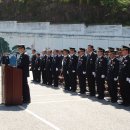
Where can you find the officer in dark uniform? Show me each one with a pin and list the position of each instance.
(23, 63)
(72, 69)
(119, 54)
(129, 50)
(101, 72)
(65, 65)
(112, 74)
(106, 55)
(5, 59)
(49, 67)
(124, 76)
(55, 67)
(60, 54)
(90, 69)
(81, 70)
(33, 58)
(43, 67)
(37, 68)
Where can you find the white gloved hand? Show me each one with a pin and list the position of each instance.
(67, 72)
(127, 79)
(115, 79)
(39, 69)
(84, 72)
(102, 76)
(94, 74)
(73, 71)
(56, 69)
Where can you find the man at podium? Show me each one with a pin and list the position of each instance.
(23, 63)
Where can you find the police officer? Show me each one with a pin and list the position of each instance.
(37, 68)
(65, 65)
(81, 70)
(90, 69)
(124, 76)
(43, 68)
(112, 74)
(49, 67)
(106, 55)
(5, 59)
(60, 54)
(101, 72)
(23, 63)
(55, 67)
(33, 58)
(119, 54)
(72, 69)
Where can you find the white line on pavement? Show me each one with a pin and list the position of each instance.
(40, 118)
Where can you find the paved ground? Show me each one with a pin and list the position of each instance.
(53, 109)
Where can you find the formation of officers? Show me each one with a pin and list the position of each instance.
(97, 67)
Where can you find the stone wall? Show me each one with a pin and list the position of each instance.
(45, 35)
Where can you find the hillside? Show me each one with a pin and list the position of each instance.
(67, 11)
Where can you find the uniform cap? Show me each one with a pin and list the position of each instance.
(101, 49)
(21, 46)
(82, 49)
(66, 50)
(125, 48)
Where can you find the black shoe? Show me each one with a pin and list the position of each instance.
(113, 100)
(92, 94)
(38, 81)
(82, 92)
(100, 97)
(73, 91)
(66, 89)
(27, 102)
(125, 104)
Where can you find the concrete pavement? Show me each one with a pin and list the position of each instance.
(53, 109)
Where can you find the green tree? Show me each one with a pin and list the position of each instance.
(4, 46)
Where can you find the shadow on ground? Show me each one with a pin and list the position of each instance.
(12, 108)
(93, 99)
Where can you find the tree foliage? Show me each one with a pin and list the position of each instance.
(67, 11)
(4, 46)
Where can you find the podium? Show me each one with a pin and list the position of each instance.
(11, 85)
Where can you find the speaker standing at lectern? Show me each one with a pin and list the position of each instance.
(23, 63)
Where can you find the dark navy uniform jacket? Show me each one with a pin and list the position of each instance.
(113, 69)
(43, 62)
(33, 61)
(5, 60)
(56, 63)
(73, 63)
(49, 63)
(124, 71)
(81, 67)
(90, 64)
(101, 66)
(65, 65)
(38, 64)
(23, 63)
